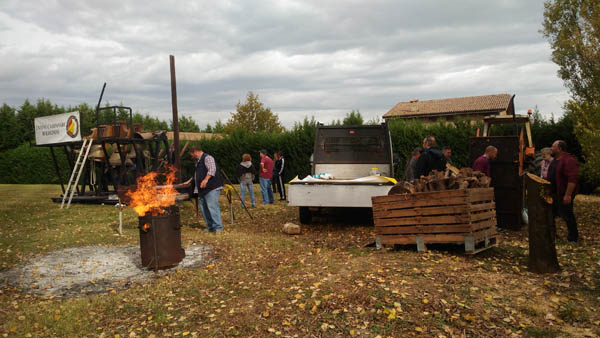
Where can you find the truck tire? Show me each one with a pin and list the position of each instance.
(305, 215)
(533, 164)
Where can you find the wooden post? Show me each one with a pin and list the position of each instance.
(175, 119)
(542, 249)
(62, 186)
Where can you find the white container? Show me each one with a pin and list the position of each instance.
(374, 172)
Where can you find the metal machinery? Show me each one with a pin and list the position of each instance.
(514, 152)
(121, 151)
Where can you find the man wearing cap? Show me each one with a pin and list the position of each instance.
(208, 185)
(264, 179)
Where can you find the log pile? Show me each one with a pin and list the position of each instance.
(451, 179)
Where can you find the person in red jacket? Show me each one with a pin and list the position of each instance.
(565, 175)
(266, 174)
(482, 163)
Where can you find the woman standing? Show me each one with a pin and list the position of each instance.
(546, 172)
(245, 174)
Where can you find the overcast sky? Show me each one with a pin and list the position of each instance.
(303, 58)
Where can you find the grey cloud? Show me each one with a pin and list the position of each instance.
(301, 57)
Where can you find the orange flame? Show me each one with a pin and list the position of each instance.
(148, 197)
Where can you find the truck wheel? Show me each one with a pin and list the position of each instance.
(305, 215)
(533, 164)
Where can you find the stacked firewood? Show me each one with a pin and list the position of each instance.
(450, 179)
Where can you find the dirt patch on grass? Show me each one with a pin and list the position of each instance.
(91, 269)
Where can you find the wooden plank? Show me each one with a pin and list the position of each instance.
(421, 196)
(480, 235)
(424, 229)
(427, 238)
(482, 206)
(406, 204)
(422, 220)
(443, 210)
(485, 224)
(444, 228)
(431, 238)
(481, 194)
(482, 215)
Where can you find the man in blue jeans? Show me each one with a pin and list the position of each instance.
(266, 174)
(208, 185)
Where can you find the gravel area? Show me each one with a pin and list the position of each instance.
(92, 269)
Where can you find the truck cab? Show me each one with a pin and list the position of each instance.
(358, 162)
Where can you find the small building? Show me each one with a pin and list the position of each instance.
(473, 108)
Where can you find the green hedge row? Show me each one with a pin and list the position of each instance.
(296, 145)
(29, 164)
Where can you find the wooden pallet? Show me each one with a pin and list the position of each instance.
(451, 216)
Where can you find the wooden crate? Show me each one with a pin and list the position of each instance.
(451, 216)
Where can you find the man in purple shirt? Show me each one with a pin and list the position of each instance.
(566, 176)
(482, 163)
(264, 179)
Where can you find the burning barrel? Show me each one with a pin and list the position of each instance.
(160, 238)
(159, 220)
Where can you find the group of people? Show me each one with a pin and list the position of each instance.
(426, 159)
(270, 174)
(207, 182)
(558, 166)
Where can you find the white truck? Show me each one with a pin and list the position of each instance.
(359, 162)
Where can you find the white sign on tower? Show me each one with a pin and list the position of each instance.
(58, 128)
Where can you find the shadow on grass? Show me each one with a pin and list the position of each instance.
(346, 217)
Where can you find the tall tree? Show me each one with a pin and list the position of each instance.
(354, 118)
(150, 123)
(573, 29)
(253, 116)
(25, 116)
(87, 115)
(10, 137)
(587, 129)
(187, 124)
(374, 121)
(219, 127)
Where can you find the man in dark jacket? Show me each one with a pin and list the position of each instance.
(431, 158)
(278, 171)
(208, 185)
(566, 176)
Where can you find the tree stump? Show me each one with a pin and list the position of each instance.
(542, 249)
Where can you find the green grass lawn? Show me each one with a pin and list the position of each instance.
(324, 282)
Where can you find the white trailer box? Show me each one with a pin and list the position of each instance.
(359, 162)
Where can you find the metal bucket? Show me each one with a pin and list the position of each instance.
(160, 239)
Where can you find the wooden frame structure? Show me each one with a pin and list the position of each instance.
(465, 216)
